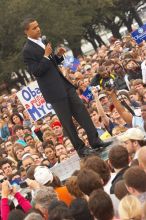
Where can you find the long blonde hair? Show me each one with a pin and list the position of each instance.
(130, 208)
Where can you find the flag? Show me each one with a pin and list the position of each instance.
(71, 62)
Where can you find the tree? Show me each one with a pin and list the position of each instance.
(129, 7)
(60, 20)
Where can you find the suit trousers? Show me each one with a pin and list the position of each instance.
(72, 106)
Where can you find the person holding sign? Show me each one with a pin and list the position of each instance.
(56, 89)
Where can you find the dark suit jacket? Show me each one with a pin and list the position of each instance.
(118, 177)
(50, 80)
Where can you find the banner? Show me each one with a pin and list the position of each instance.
(31, 98)
(139, 35)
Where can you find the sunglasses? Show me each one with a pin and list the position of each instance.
(5, 117)
(71, 151)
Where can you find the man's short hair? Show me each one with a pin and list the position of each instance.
(118, 157)
(5, 161)
(44, 196)
(88, 181)
(16, 212)
(30, 171)
(91, 110)
(26, 22)
(60, 212)
(120, 189)
(17, 127)
(73, 188)
(28, 135)
(101, 205)
(99, 166)
(47, 144)
(34, 216)
(27, 127)
(57, 144)
(135, 177)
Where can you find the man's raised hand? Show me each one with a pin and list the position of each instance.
(48, 50)
(61, 51)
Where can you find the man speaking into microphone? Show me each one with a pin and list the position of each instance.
(57, 90)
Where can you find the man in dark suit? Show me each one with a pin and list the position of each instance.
(56, 89)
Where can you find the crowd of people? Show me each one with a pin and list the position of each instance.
(103, 190)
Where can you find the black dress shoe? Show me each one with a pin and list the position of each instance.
(86, 151)
(101, 144)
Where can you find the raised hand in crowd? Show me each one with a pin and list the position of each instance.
(6, 190)
(33, 184)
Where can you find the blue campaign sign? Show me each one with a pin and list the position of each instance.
(88, 94)
(140, 34)
(71, 62)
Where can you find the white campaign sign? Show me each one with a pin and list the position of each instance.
(31, 98)
(66, 168)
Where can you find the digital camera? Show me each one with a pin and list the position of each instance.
(109, 85)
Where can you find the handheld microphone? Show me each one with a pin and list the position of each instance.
(44, 39)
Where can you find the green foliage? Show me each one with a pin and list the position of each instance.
(59, 20)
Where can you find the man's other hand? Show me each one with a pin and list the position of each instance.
(48, 50)
(61, 51)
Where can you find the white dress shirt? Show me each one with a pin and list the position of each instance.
(38, 41)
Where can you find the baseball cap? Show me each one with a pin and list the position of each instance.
(102, 95)
(117, 42)
(43, 175)
(55, 124)
(132, 134)
(121, 97)
(87, 67)
(13, 90)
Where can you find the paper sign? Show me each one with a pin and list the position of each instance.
(66, 168)
(31, 98)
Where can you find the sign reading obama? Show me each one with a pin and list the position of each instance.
(31, 98)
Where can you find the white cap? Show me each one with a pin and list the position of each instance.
(102, 95)
(13, 90)
(87, 67)
(117, 42)
(43, 175)
(132, 134)
(26, 155)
